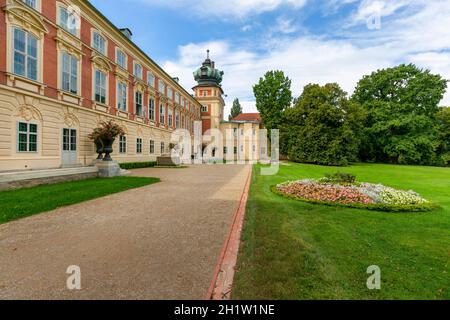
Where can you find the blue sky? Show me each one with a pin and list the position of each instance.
(312, 41)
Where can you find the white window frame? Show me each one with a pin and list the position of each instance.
(162, 113)
(162, 148)
(77, 24)
(123, 144)
(97, 35)
(170, 117)
(141, 95)
(100, 86)
(151, 149)
(137, 66)
(70, 73)
(28, 133)
(36, 6)
(120, 98)
(162, 87)
(26, 54)
(205, 109)
(138, 145)
(125, 66)
(151, 109)
(150, 75)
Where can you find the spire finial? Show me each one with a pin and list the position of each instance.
(207, 54)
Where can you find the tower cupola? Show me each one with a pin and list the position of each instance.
(207, 74)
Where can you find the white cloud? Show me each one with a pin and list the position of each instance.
(421, 38)
(227, 9)
(285, 26)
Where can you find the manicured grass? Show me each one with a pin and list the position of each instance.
(16, 204)
(297, 250)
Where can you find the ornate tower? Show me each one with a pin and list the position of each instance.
(209, 92)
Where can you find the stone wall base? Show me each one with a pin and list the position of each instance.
(47, 180)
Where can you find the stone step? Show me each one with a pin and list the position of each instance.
(6, 177)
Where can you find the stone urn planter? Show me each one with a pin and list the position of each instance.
(104, 136)
(99, 148)
(107, 148)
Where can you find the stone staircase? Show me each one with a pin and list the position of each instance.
(29, 178)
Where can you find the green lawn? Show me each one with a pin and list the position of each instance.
(16, 204)
(296, 250)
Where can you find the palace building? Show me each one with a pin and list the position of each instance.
(65, 68)
(240, 137)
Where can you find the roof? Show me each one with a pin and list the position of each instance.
(250, 117)
(124, 37)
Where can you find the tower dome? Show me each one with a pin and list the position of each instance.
(207, 74)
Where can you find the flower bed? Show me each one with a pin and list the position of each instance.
(357, 195)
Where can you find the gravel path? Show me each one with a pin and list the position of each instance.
(157, 242)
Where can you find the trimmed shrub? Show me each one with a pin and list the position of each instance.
(137, 165)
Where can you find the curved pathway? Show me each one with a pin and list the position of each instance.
(157, 242)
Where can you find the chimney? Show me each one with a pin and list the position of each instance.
(176, 79)
(127, 32)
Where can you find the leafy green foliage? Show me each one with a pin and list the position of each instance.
(339, 177)
(137, 165)
(236, 109)
(402, 105)
(273, 95)
(443, 127)
(323, 127)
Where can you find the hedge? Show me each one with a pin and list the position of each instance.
(137, 165)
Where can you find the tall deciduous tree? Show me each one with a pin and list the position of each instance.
(323, 126)
(443, 127)
(402, 104)
(273, 95)
(236, 109)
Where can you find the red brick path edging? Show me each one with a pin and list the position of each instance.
(221, 284)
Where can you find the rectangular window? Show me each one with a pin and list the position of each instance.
(235, 150)
(123, 144)
(177, 120)
(204, 108)
(99, 43)
(152, 147)
(25, 54)
(27, 137)
(177, 97)
(150, 79)
(121, 59)
(170, 117)
(151, 109)
(121, 96)
(138, 103)
(170, 93)
(161, 87)
(100, 87)
(31, 3)
(69, 71)
(69, 140)
(138, 70)
(162, 114)
(138, 145)
(225, 151)
(234, 132)
(68, 21)
(183, 122)
(162, 148)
